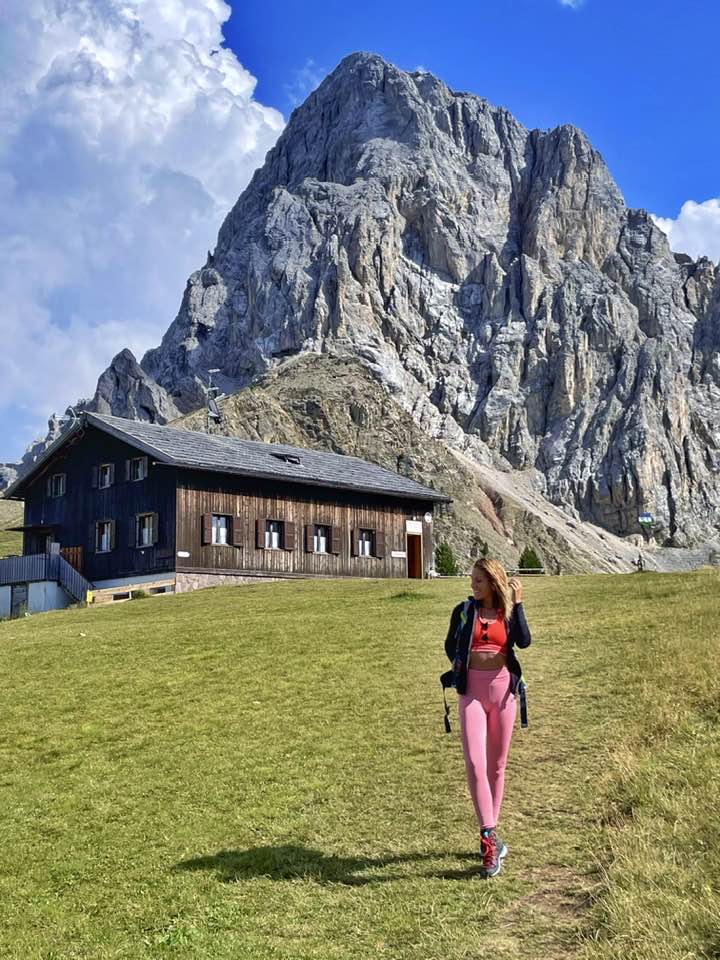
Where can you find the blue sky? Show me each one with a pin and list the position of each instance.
(641, 78)
(129, 131)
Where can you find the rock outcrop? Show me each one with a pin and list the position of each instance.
(331, 403)
(126, 390)
(9, 472)
(490, 277)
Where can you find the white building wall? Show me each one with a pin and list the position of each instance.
(47, 595)
(5, 600)
(128, 581)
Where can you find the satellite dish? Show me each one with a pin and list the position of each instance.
(69, 418)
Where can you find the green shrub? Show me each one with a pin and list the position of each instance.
(445, 562)
(480, 548)
(529, 560)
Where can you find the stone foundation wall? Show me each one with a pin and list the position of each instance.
(185, 582)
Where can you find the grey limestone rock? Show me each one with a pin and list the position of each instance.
(125, 390)
(9, 472)
(492, 279)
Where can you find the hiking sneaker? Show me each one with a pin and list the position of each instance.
(502, 848)
(490, 852)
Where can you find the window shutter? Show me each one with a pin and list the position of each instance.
(154, 529)
(336, 541)
(92, 542)
(237, 533)
(112, 474)
(309, 538)
(380, 543)
(94, 479)
(132, 532)
(355, 545)
(127, 469)
(63, 486)
(206, 528)
(260, 533)
(48, 487)
(112, 534)
(288, 535)
(144, 468)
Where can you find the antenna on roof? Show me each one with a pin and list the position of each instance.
(213, 395)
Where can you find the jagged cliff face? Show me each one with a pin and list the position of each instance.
(493, 280)
(330, 403)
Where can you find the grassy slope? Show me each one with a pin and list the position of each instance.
(191, 777)
(11, 514)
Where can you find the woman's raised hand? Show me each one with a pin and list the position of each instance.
(516, 588)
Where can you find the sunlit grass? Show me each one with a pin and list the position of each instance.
(262, 772)
(11, 514)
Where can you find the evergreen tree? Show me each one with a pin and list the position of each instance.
(529, 560)
(445, 562)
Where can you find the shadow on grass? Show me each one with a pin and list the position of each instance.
(288, 861)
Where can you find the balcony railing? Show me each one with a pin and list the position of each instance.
(44, 566)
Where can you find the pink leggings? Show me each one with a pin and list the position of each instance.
(487, 716)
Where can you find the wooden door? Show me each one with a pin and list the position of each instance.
(74, 556)
(414, 556)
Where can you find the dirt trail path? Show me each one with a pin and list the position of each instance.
(552, 801)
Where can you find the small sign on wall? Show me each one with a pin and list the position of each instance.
(413, 526)
(398, 553)
(428, 518)
(183, 553)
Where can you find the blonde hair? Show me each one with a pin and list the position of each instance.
(495, 573)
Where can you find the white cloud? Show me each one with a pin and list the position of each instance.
(696, 229)
(573, 4)
(309, 76)
(126, 134)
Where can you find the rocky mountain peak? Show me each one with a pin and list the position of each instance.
(491, 278)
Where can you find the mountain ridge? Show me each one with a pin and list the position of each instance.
(493, 280)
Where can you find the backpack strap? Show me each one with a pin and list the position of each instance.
(523, 704)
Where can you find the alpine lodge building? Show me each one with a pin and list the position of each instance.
(117, 505)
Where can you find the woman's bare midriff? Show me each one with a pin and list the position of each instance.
(487, 660)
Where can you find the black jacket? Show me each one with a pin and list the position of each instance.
(459, 637)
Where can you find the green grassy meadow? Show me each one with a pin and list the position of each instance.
(11, 514)
(262, 772)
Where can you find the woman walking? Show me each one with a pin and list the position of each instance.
(483, 632)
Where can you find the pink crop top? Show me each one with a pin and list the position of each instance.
(490, 636)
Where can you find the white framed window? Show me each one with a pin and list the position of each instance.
(103, 536)
(220, 529)
(105, 475)
(273, 534)
(365, 543)
(321, 539)
(137, 468)
(145, 530)
(56, 486)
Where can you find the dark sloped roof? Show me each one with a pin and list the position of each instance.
(202, 451)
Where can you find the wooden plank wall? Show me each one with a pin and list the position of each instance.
(82, 505)
(246, 500)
